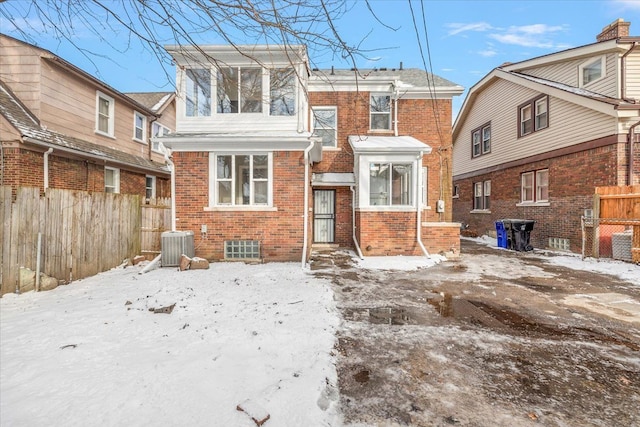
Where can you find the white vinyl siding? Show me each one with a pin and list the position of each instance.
(633, 75)
(569, 124)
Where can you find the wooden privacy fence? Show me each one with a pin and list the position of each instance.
(82, 233)
(619, 206)
(156, 218)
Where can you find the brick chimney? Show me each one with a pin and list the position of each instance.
(616, 29)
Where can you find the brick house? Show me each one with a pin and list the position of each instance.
(60, 127)
(534, 138)
(272, 157)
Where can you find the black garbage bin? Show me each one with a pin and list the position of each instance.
(518, 233)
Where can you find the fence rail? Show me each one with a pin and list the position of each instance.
(81, 233)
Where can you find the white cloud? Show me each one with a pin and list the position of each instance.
(536, 35)
(627, 4)
(487, 53)
(457, 28)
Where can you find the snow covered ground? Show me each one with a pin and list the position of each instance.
(92, 353)
(260, 336)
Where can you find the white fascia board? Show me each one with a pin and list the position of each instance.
(238, 55)
(440, 92)
(567, 55)
(212, 142)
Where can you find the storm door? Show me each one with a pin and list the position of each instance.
(324, 216)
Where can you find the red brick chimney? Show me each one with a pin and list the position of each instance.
(616, 29)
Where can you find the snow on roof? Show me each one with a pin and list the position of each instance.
(400, 144)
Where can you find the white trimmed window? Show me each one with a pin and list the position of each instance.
(481, 140)
(533, 115)
(139, 127)
(482, 195)
(380, 112)
(390, 184)
(242, 180)
(105, 113)
(282, 87)
(158, 130)
(197, 92)
(111, 180)
(325, 125)
(535, 186)
(239, 90)
(150, 187)
(591, 71)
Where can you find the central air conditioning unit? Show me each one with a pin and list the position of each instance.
(174, 244)
(621, 244)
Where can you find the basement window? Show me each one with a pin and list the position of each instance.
(242, 249)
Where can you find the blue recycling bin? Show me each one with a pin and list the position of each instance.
(501, 234)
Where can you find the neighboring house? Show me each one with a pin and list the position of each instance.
(534, 138)
(271, 157)
(60, 127)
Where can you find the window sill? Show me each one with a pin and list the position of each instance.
(524, 204)
(480, 211)
(326, 148)
(455, 197)
(240, 209)
(139, 141)
(108, 135)
(380, 130)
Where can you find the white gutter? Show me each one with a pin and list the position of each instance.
(419, 211)
(305, 212)
(173, 191)
(46, 168)
(395, 109)
(353, 221)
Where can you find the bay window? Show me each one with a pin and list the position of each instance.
(239, 90)
(282, 85)
(390, 184)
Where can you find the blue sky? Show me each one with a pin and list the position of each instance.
(466, 39)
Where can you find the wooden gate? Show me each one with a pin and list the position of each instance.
(620, 206)
(156, 218)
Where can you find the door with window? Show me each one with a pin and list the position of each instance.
(324, 216)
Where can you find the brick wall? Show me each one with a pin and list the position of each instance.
(280, 232)
(387, 233)
(572, 179)
(441, 238)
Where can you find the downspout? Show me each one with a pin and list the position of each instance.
(353, 221)
(395, 107)
(173, 190)
(623, 71)
(305, 213)
(419, 211)
(46, 168)
(631, 138)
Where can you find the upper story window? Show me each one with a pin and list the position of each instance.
(380, 111)
(390, 184)
(105, 113)
(139, 127)
(198, 92)
(533, 115)
(111, 180)
(242, 180)
(282, 85)
(158, 130)
(535, 186)
(481, 140)
(239, 90)
(325, 125)
(591, 71)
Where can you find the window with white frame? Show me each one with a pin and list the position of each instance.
(591, 71)
(282, 87)
(139, 127)
(105, 114)
(535, 186)
(239, 90)
(482, 195)
(150, 187)
(158, 130)
(197, 92)
(111, 180)
(380, 111)
(390, 184)
(481, 140)
(533, 115)
(325, 125)
(242, 180)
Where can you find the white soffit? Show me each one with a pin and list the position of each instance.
(387, 144)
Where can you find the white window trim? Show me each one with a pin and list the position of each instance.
(483, 187)
(335, 130)
(371, 113)
(181, 105)
(213, 164)
(363, 201)
(425, 187)
(112, 108)
(116, 176)
(603, 67)
(144, 139)
(163, 131)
